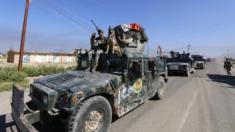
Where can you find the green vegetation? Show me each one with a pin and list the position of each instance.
(42, 70)
(5, 86)
(10, 75)
(233, 61)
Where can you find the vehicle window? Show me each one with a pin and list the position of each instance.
(111, 64)
(134, 71)
(84, 64)
(151, 65)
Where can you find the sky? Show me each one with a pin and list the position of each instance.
(64, 25)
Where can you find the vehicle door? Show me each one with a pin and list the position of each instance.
(149, 76)
(133, 92)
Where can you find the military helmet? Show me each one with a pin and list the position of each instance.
(100, 31)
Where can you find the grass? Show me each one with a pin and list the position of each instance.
(6, 86)
(42, 70)
(10, 75)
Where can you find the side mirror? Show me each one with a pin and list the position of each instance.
(124, 77)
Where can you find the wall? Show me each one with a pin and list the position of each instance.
(34, 58)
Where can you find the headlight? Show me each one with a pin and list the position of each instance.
(45, 100)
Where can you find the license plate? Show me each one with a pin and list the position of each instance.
(174, 67)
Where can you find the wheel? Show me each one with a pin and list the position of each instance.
(169, 73)
(160, 89)
(93, 115)
(166, 77)
(187, 73)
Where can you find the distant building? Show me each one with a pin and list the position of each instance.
(42, 57)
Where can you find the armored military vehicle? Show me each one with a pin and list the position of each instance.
(198, 61)
(180, 64)
(86, 101)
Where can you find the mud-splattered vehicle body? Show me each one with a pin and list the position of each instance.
(124, 81)
(86, 101)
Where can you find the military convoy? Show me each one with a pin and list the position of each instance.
(180, 64)
(86, 101)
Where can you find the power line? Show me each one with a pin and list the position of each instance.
(68, 15)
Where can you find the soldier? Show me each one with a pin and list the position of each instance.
(228, 66)
(98, 46)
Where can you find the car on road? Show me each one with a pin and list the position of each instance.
(86, 100)
(180, 64)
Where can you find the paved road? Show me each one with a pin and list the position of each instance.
(203, 102)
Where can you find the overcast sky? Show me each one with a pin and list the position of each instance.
(63, 25)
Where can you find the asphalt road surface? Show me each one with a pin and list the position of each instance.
(204, 102)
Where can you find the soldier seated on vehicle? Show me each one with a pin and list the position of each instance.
(98, 46)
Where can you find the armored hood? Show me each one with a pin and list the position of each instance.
(78, 80)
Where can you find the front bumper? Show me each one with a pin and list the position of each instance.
(199, 65)
(177, 67)
(22, 115)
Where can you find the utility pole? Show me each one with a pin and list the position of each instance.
(188, 47)
(22, 44)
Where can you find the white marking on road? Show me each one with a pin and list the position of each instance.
(186, 114)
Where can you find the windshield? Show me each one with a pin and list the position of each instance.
(112, 63)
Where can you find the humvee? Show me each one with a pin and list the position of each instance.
(198, 61)
(86, 101)
(180, 64)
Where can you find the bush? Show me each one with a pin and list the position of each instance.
(8, 85)
(32, 71)
(11, 75)
(42, 70)
(3, 75)
(17, 76)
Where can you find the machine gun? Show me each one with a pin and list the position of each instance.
(94, 24)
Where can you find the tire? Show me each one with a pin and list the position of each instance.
(187, 73)
(166, 77)
(169, 73)
(161, 86)
(95, 107)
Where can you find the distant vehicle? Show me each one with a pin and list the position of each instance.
(180, 64)
(208, 59)
(198, 61)
(86, 100)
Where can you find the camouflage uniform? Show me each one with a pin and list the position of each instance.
(228, 64)
(98, 46)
